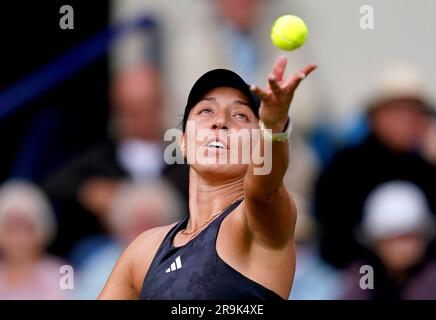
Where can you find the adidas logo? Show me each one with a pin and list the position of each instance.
(175, 265)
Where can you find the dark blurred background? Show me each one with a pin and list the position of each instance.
(31, 39)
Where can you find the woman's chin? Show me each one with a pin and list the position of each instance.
(220, 170)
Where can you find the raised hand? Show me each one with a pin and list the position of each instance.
(277, 96)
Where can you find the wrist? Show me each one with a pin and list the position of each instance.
(280, 136)
(277, 127)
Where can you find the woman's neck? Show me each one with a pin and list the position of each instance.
(207, 197)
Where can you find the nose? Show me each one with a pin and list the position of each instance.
(220, 121)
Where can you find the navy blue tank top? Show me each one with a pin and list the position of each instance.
(196, 272)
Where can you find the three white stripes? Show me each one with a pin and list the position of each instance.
(175, 265)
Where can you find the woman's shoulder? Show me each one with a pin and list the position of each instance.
(128, 274)
(148, 242)
(152, 237)
(142, 250)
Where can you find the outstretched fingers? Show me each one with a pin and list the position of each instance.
(274, 85)
(295, 79)
(279, 67)
(278, 88)
(263, 95)
(308, 69)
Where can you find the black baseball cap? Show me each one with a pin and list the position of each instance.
(219, 78)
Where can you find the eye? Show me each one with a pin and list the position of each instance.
(205, 111)
(241, 116)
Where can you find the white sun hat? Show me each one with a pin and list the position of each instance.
(395, 208)
(24, 198)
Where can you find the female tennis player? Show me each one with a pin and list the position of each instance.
(238, 240)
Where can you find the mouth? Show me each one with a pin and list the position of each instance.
(216, 144)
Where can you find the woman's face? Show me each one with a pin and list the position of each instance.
(19, 239)
(400, 253)
(222, 122)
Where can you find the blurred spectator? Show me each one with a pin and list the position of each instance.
(135, 208)
(399, 116)
(397, 227)
(83, 189)
(27, 225)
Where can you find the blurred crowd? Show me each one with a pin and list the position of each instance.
(366, 197)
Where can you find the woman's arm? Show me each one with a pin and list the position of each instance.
(270, 212)
(125, 281)
(120, 285)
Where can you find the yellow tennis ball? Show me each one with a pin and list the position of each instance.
(289, 32)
